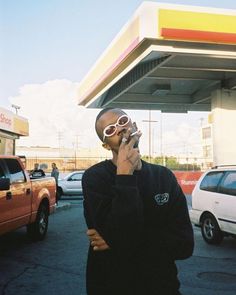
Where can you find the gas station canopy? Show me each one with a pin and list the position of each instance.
(167, 57)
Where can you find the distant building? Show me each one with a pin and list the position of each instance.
(66, 159)
(12, 127)
(207, 144)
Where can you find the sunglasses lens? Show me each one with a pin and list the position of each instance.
(123, 120)
(110, 130)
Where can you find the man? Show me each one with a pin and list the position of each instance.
(55, 174)
(137, 217)
(37, 172)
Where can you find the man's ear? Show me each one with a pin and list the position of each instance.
(106, 146)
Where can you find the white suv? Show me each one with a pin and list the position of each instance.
(214, 204)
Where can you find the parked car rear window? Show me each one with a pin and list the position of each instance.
(211, 181)
(228, 185)
(15, 170)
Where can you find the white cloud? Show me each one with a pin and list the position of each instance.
(53, 112)
(185, 139)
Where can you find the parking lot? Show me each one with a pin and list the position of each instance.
(210, 271)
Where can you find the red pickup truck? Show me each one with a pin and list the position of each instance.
(24, 201)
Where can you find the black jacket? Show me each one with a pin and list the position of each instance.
(144, 219)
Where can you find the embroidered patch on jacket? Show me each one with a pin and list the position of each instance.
(161, 199)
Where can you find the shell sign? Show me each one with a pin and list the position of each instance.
(13, 123)
(197, 26)
(6, 120)
(21, 126)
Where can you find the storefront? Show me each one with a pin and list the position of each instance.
(12, 127)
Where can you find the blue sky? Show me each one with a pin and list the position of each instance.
(60, 40)
(54, 39)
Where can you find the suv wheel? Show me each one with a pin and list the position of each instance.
(211, 232)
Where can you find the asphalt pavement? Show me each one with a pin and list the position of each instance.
(57, 266)
(210, 271)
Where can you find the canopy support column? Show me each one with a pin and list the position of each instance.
(223, 105)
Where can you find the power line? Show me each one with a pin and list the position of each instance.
(149, 121)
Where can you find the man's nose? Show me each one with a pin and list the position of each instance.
(121, 130)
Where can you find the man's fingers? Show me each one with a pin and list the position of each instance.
(93, 235)
(123, 141)
(98, 243)
(91, 232)
(101, 248)
(125, 136)
(96, 240)
(134, 139)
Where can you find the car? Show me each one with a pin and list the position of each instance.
(71, 184)
(214, 204)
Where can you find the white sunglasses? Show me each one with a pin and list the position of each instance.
(111, 129)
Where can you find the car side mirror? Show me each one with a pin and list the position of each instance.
(4, 184)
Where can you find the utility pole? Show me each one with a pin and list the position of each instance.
(203, 139)
(76, 148)
(162, 162)
(16, 107)
(149, 121)
(59, 136)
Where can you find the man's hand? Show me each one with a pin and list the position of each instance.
(128, 158)
(96, 240)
